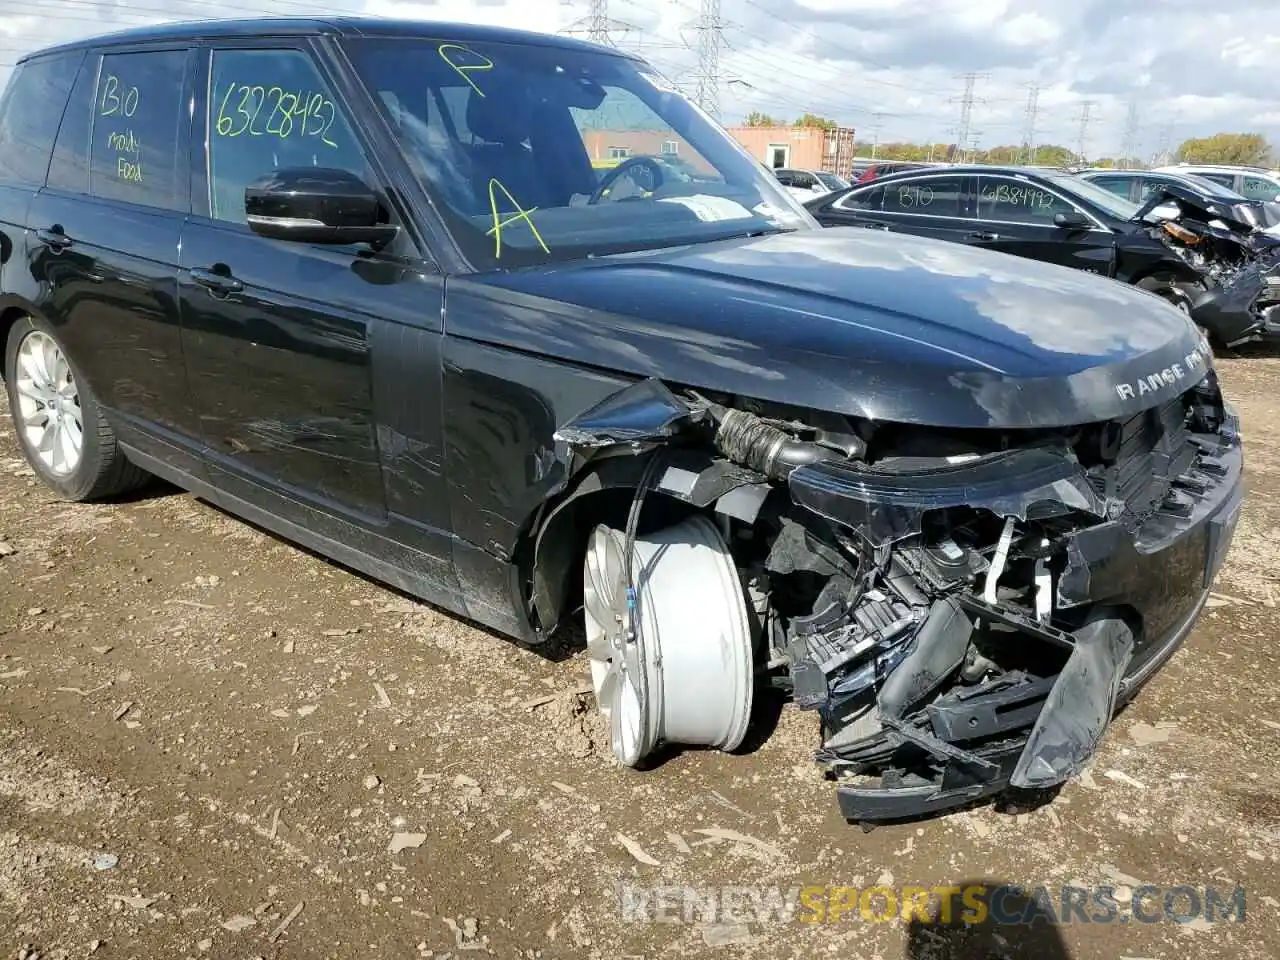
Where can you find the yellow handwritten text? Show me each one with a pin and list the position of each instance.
(258, 110)
(115, 101)
(127, 169)
(499, 223)
(463, 69)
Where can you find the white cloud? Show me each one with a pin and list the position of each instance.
(1194, 70)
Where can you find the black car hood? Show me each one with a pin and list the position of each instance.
(892, 328)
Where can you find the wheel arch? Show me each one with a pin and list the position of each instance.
(551, 551)
(12, 310)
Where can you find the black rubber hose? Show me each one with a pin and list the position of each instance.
(747, 440)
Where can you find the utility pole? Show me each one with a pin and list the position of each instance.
(875, 133)
(1029, 123)
(1129, 149)
(966, 107)
(710, 35)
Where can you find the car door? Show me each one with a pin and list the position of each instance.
(1016, 215)
(315, 369)
(108, 225)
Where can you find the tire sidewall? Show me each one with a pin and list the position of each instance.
(77, 484)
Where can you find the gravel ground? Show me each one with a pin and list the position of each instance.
(215, 744)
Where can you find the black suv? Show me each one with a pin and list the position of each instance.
(366, 283)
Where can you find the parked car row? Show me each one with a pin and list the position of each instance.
(1188, 238)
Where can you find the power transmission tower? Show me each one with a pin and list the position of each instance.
(710, 35)
(966, 107)
(1162, 157)
(1085, 118)
(1129, 149)
(597, 25)
(1029, 123)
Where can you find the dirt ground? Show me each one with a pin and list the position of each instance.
(214, 744)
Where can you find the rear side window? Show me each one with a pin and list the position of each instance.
(29, 116)
(1117, 185)
(934, 197)
(1260, 188)
(136, 113)
(869, 199)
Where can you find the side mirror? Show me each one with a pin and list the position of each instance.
(316, 205)
(1071, 220)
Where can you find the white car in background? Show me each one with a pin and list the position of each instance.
(1253, 183)
(806, 184)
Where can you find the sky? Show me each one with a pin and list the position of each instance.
(890, 68)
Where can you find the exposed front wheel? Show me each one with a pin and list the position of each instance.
(685, 675)
(59, 424)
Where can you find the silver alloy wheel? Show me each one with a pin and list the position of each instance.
(49, 413)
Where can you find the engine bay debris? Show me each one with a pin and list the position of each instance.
(964, 610)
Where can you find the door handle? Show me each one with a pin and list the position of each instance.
(982, 235)
(54, 238)
(217, 282)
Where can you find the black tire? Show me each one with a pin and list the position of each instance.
(103, 470)
(1180, 293)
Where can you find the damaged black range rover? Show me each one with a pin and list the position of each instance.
(382, 287)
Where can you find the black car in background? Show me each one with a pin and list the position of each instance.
(1042, 215)
(358, 281)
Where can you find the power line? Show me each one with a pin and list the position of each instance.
(1029, 123)
(1085, 118)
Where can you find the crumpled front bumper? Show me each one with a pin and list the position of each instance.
(1138, 593)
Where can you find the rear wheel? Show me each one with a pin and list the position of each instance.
(60, 426)
(686, 675)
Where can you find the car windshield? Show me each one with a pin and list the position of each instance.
(1100, 197)
(536, 153)
(830, 180)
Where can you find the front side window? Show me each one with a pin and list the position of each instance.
(929, 197)
(136, 111)
(270, 109)
(29, 114)
(1019, 201)
(560, 154)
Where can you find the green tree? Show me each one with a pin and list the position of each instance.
(813, 120)
(1242, 148)
(757, 119)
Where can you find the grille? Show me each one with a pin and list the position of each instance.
(1155, 448)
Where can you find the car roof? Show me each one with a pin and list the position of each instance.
(310, 26)
(1215, 168)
